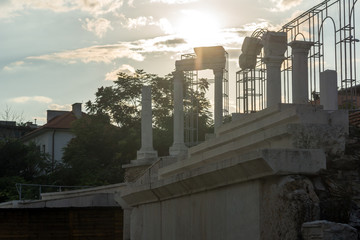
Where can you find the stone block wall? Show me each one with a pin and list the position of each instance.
(253, 180)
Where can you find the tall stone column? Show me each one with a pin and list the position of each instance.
(146, 155)
(273, 81)
(300, 81)
(275, 45)
(178, 147)
(147, 150)
(218, 103)
(328, 90)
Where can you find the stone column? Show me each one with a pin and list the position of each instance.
(218, 102)
(300, 85)
(328, 90)
(273, 80)
(178, 147)
(146, 155)
(275, 45)
(147, 150)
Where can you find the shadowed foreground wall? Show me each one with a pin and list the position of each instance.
(61, 223)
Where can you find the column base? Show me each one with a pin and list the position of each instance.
(178, 149)
(146, 155)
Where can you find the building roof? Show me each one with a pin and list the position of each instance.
(62, 122)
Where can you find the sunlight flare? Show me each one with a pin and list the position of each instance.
(199, 28)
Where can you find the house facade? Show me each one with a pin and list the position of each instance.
(52, 137)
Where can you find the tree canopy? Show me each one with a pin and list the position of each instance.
(20, 163)
(106, 138)
(110, 135)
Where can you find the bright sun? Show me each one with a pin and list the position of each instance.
(198, 28)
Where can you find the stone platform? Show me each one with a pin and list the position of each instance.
(230, 186)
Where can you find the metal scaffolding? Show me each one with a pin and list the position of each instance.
(191, 104)
(313, 26)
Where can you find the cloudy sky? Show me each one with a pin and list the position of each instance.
(57, 52)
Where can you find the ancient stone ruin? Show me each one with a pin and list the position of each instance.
(286, 167)
(287, 171)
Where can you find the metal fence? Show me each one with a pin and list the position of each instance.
(331, 26)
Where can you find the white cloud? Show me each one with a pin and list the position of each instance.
(112, 76)
(12, 8)
(130, 3)
(162, 23)
(107, 53)
(99, 53)
(137, 50)
(136, 22)
(173, 1)
(283, 5)
(54, 106)
(165, 26)
(98, 7)
(98, 26)
(25, 99)
(251, 27)
(13, 65)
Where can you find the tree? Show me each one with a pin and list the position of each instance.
(122, 103)
(20, 163)
(95, 155)
(9, 115)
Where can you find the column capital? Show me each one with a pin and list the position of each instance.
(218, 71)
(301, 46)
(273, 61)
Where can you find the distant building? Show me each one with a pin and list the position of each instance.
(9, 129)
(52, 137)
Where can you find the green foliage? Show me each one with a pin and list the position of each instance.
(122, 103)
(20, 163)
(96, 154)
(23, 160)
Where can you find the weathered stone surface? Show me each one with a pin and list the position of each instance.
(330, 138)
(133, 173)
(325, 230)
(245, 182)
(241, 168)
(229, 213)
(287, 203)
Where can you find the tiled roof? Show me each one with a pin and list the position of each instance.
(354, 119)
(63, 121)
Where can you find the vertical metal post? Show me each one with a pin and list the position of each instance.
(20, 192)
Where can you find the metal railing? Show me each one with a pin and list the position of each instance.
(41, 188)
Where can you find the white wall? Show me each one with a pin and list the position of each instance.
(61, 139)
(227, 213)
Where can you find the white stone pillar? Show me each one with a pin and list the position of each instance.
(147, 150)
(273, 81)
(178, 147)
(275, 45)
(218, 102)
(300, 84)
(328, 90)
